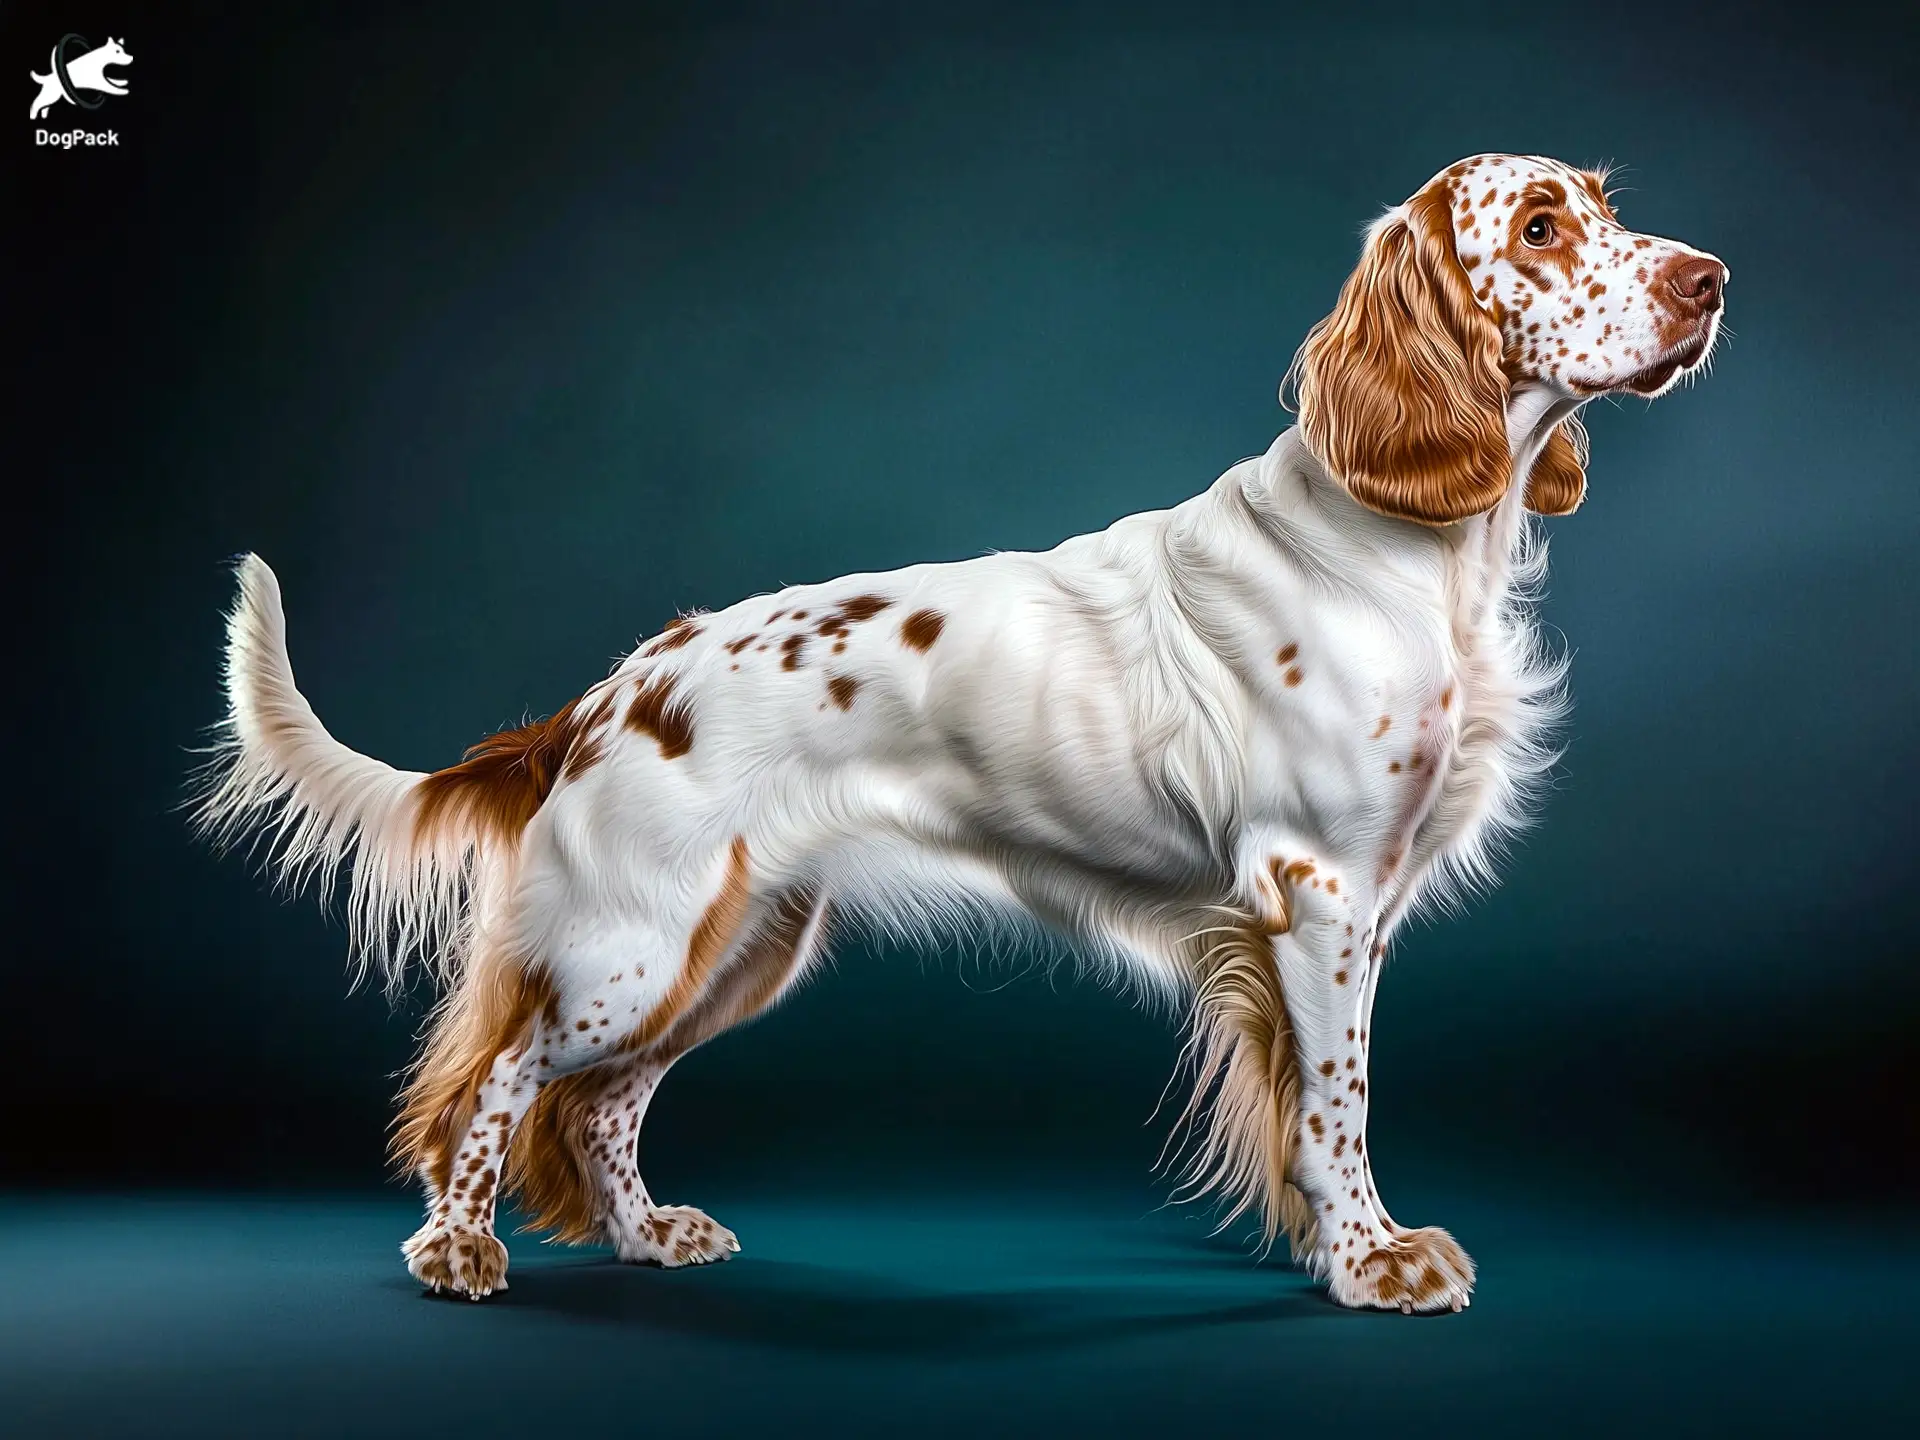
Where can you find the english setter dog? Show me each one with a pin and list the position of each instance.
(1224, 748)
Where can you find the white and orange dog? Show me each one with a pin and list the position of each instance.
(1224, 748)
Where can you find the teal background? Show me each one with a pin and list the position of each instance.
(504, 333)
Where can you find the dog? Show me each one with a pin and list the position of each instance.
(89, 72)
(1223, 749)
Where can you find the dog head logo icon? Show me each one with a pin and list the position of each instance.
(73, 75)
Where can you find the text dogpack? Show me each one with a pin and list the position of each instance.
(67, 139)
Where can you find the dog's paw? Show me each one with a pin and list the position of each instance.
(1415, 1271)
(457, 1259)
(676, 1235)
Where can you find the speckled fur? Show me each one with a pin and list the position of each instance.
(1224, 749)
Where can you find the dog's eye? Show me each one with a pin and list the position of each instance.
(1539, 232)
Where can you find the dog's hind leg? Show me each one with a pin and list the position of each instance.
(575, 1164)
(49, 92)
(507, 1031)
(640, 1231)
(774, 956)
(485, 1053)
(456, 1248)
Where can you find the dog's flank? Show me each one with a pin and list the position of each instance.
(1225, 748)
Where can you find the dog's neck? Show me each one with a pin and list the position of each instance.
(1481, 550)
(1489, 544)
(1532, 412)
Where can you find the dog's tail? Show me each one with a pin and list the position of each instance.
(421, 847)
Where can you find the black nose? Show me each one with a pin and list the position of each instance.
(1696, 284)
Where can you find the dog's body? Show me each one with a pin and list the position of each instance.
(1224, 747)
(87, 72)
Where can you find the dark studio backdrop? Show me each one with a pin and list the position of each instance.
(503, 333)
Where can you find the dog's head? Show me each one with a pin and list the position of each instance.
(1503, 273)
(113, 53)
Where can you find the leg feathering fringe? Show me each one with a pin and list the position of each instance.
(548, 1168)
(1244, 1113)
(494, 1010)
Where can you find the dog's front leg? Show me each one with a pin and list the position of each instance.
(1328, 969)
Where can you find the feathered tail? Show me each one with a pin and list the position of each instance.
(411, 840)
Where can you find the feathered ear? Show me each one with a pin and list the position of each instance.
(1558, 481)
(1399, 390)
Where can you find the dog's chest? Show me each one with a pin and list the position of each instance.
(1456, 752)
(1472, 750)
(1388, 735)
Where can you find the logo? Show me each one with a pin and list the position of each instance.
(80, 78)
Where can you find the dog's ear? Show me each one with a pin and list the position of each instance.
(1558, 481)
(1399, 390)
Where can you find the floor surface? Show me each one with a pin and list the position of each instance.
(1058, 1314)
